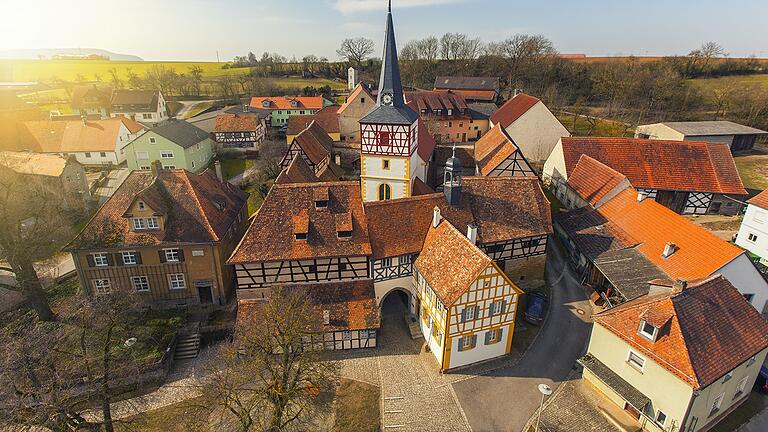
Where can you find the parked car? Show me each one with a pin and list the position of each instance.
(283, 130)
(761, 383)
(537, 303)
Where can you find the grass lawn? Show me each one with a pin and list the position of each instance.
(357, 407)
(604, 128)
(753, 405)
(178, 417)
(233, 167)
(300, 83)
(753, 170)
(705, 84)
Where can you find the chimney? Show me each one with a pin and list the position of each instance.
(326, 317)
(517, 92)
(155, 167)
(679, 286)
(669, 249)
(472, 233)
(219, 173)
(640, 196)
(436, 217)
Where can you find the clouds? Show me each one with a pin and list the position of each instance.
(354, 6)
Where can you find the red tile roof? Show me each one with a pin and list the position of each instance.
(418, 187)
(492, 149)
(593, 181)
(398, 227)
(270, 236)
(189, 202)
(284, 102)
(297, 172)
(236, 123)
(475, 95)
(760, 200)
(709, 330)
(445, 247)
(327, 118)
(356, 93)
(437, 101)
(659, 164)
(513, 109)
(426, 142)
(314, 142)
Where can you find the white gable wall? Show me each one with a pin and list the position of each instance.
(756, 223)
(537, 132)
(743, 275)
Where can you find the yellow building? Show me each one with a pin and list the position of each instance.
(680, 358)
(468, 312)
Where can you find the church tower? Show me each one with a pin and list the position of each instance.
(389, 162)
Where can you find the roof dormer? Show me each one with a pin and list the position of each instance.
(294, 103)
(320, 197)
(343, 226)
(301, 226)
(648, 331)
(265, 103)
(652, 321)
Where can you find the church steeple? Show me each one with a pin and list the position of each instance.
(390, 87)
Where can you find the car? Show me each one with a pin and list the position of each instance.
(537, 303)
(283, 130)
(761, 383)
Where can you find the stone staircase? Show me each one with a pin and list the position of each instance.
(414, 329)
(187, 346)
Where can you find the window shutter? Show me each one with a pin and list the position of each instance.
(490, 309)
(110, 260)
(477, 312)
(474, 340)
(138, 257)
(118, 257)
(503, 308)
(161, 253)
(487, 337)
(500, 334)
(89, 258)
(181, 255)
(462, 318)
(461, 342)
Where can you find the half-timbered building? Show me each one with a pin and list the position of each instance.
(315, 147)
(235, 131)
(497, 155)
(468, 312)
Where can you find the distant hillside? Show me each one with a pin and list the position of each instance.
(47, 53)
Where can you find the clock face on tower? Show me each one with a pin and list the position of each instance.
(386, 99)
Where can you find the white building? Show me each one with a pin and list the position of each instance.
(147, 107)
(353, 78)
(531, 125)
(738, 137)
(753, 234)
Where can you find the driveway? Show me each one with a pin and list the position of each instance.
(504, 399)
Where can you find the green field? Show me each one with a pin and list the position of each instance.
(736, 80)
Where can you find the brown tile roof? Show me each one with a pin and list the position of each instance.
(359, 91)
(236, 123)
(297, 172)
(445, 247)
(327, 118)
(467, 83)
(475, 95)
(189, 202)
(351, 305)
(74, 136)
(284, 102)
(33, 163)
(466, 156)
(593, 180)
(710, 329)
(760, 200)
(145, 100)
(418, 187)
(398, 227)
(85, 96)
(437, 101)
(492, 149)
(270, 236)
(426, 142)
(624, 222)
(513, 109)
(314, 142)
(659, 164)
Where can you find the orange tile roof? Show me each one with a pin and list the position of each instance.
(593, 181)
(327, 118)
(625, 222)
(297, 172)
(270, 236)
(236, 123)
(445, 247)
(492, 149)
(513, 109)
(426, 142)
(314, 142)
(74, 136)
(284, 102)
(760, 200)
(709, 329)
(659, 164)
(188, 201)
(356, 93)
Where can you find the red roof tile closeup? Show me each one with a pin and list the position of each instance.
(513, 109)
(593, 181)
(314, 142)
(760, 200)
(492, 149)
(236, 123)
(271, 234)
(197, 208)
(445, 247)
(285, 102)
(657, 164)
(707, 329)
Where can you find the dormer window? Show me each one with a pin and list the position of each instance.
(294, 104)
(141, 205)
(345, 234)
(139, 224)
(265, 103)
(301, 226)
(320, 196)
(648, 331)
(344, 225)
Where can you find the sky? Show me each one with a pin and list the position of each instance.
(196, 30)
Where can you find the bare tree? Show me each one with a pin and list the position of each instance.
(269, 378)
(355, 50)
(458, 46)
(115, 78)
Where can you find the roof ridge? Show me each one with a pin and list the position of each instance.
(318, 184)
(404, 199)
(208, 226)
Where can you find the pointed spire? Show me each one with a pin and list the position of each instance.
(390, 87)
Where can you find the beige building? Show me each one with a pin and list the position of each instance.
(680, 358)
(165, 235)
(359, 103)
(65, 175)
(737, 137)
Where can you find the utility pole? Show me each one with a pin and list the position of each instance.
(217, 57)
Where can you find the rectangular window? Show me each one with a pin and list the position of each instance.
(145, 168)
(496, 308)
(752, 237)
(102, 286)
(166, 154)
(129, 258)
(146, 116)
(193, 164)
(469, 313)
(466, 342)
(152, 140)
(716, 404)
(346, 335)
(386, 262)
(139, 224)
(661, 417)
(103, 154)
(727, 377)
(636, 361)
(152, 223)
(100, 260)
(141, 205)
(140, 283)
(385, 164)
(741, 387)
(492, 336)
(169, 167)
(88, 155)
(384, 139)
(176, 281)
(172, 255)
(648, 331)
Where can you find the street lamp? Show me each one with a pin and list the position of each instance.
(545, 390)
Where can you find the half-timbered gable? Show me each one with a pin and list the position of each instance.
(467, 304)
(313, 145)
(297, 172)
(497, 155)
(232, 130)
(305, 232)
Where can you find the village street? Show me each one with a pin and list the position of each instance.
(504, 399)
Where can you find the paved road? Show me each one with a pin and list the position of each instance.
(505, 399)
